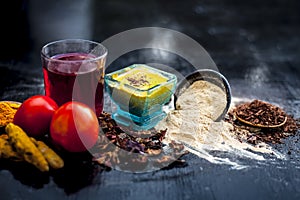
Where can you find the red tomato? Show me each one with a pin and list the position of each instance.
(35, 114)
(74, 127)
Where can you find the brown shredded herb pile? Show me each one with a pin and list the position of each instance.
(264, 113)
(261, 113)
(140, 149)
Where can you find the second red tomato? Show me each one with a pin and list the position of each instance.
(74, 127)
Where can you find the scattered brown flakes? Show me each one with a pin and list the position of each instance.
(140, 149)
(126, 140)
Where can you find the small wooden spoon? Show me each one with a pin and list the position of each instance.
(260, 125)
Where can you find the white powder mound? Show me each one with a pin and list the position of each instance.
(193, 125)
(205, 97)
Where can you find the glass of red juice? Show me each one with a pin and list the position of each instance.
(74, 71)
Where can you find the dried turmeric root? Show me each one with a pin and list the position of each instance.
(24, 146)
(52, 158)
(6, 150)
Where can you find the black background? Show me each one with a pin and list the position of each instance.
(255, 45)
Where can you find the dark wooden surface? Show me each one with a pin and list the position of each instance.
(255, 44)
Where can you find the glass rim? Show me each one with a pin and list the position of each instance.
(43, 54)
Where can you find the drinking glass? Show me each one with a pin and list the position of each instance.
(74, 71)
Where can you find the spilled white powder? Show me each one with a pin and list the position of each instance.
(193, 125)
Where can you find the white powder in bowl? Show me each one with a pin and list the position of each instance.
(205, 97)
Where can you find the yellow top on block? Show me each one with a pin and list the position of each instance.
(140, 78)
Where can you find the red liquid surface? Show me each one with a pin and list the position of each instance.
(76, 79)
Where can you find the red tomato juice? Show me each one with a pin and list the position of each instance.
(77, 77)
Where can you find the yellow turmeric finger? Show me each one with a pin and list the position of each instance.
(7, 152)
(25, 147)
(52, 158)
